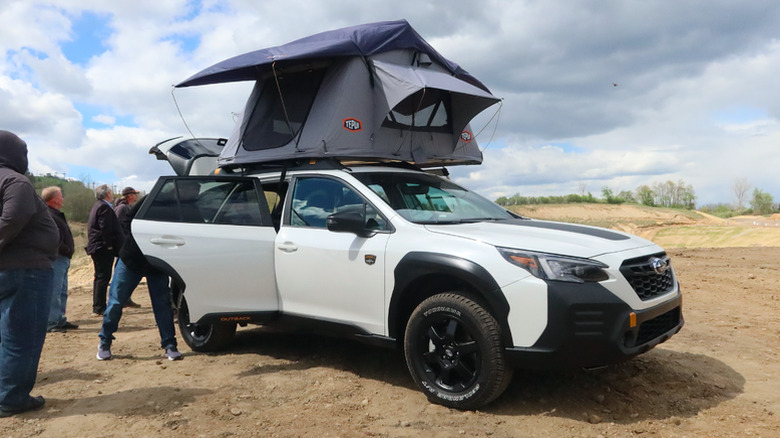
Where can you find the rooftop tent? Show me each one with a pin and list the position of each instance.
(370, 92)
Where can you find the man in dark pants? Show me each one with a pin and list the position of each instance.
(103, 242)
(130, 269)
(122, 207)
(28, 244)
(58, 322)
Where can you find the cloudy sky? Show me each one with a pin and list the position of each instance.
(595, 93)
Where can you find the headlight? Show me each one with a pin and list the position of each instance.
(555, 267)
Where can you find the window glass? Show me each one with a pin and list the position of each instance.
(207, 201)
(314, 199)
(423, 198)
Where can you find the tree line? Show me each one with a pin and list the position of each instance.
(762, 203)
(78, 197)
(668, 194)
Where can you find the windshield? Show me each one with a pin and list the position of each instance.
(428, 199)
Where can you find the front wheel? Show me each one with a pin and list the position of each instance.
(204, 337)
(454, 353)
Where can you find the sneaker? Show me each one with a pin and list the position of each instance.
(69, 326)
(131, 303)
(56, 330)
(173, 354)
(104, 353)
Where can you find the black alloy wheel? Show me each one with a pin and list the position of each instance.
(454, 352)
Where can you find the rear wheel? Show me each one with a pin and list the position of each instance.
(454, 352)
(204, 337)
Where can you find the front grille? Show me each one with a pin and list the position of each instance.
(646, 282)
(657, 326)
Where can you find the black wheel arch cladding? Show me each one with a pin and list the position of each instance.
(418, 265)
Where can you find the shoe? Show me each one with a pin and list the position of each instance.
(69, 326)
(131, 303)
(33, 403)
(173, 354)
(104, 353)
(56, 330)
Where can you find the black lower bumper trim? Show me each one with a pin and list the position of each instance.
(591, 328)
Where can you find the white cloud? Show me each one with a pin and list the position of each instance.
(104, 119)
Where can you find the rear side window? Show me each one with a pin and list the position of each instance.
(226, 202)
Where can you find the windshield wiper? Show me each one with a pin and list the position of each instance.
(473, 220)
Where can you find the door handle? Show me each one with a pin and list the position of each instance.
(167, 241)
(288, 247)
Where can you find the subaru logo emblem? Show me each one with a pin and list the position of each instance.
(659, 265)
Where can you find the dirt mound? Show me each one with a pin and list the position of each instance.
(667, 227)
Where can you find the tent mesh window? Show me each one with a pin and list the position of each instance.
(426, 110)
(281, 109)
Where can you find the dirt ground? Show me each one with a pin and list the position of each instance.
(719, 377)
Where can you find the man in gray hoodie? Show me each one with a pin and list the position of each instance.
(28, 244)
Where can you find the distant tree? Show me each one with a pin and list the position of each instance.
(675, 195)
(627, 196)
(761, 202)
(610, 197)
(645, 195)
(741, 187)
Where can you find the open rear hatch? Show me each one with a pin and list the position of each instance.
(190, 156)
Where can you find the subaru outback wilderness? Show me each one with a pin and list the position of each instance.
(397, 256)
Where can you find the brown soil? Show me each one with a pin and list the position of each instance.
(717, 378)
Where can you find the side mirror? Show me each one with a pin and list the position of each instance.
(349, 222)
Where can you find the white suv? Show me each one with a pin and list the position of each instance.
(404, 258)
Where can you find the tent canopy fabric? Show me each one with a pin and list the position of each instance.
(374, 92)
(362, 40)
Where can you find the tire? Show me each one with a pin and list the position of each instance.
(453, 350)
(204, 337)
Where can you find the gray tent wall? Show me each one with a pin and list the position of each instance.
(346, 117)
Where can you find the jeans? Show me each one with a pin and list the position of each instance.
(59, 294)
(125, 281)
(103, 260)
(25, 297)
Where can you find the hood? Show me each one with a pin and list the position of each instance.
(13, 152)
(544, 236)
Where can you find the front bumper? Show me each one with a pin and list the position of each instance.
(591, 328)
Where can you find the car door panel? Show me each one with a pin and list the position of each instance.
(321, 274)
(215, 252)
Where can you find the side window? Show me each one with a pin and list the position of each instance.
(241, 207)
(226, 202)
(314, 199)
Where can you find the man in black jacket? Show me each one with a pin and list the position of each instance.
(122, 207)
(58, 322)
(130, 269)
(103, 241)
(28, 244)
